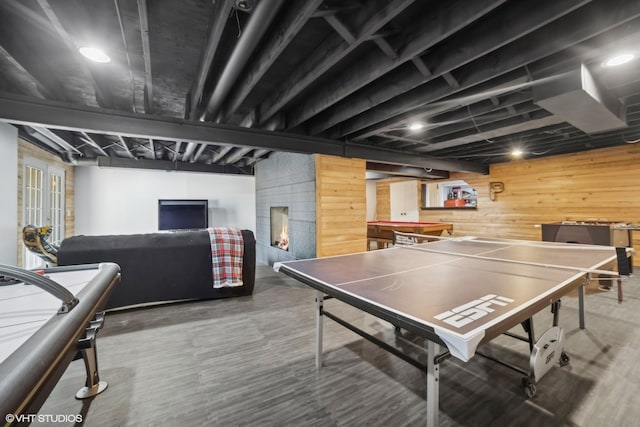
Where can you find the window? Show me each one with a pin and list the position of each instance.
(43, 199)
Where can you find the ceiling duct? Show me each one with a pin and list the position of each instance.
(579, 99)
(256, 27)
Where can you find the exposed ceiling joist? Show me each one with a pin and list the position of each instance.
(146, 53)
(141, 126)
(89, 140)
(569, 31)
(123, 144)
(444, 21)
(103, 96)
(55, 138)
(330, 52)
(339, 77)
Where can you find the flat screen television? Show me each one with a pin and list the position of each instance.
(183, 214)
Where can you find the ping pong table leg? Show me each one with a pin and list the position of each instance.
(433, 381)
(319, 301)
(581, 305)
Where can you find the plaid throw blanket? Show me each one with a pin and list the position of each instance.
(227, 249)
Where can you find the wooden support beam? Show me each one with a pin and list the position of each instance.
(445, 20)
(516, 20)
(146, 53)
(330, 52)
(92, 142)
(123, 144)
(340, 28)
(103, 94)
(568, 31)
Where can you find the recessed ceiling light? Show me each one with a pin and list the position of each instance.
(416, 126)
(95, 54)
(517, 152)
(619, 60)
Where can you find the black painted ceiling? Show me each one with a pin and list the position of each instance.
(219, 85)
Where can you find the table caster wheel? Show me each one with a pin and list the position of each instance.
(564, 359)
(529, 387)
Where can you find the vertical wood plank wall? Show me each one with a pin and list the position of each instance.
(341, 208)
(598, 184)
(26, 149)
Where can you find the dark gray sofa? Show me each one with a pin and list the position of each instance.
(158, 267)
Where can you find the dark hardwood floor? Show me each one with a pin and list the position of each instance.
(250, 362)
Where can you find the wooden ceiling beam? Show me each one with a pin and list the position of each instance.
(568, 31)
(123, 144)
(435, 27)
(92, 142)
(508, 126)
(57, 139)
(24, 78)
(332, 50)
(18, 15)
(102, 91)
(340, 28)
(146, 53)
(515, 20)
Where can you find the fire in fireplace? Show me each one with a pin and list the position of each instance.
(280, 227)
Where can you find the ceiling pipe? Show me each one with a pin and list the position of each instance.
(222, 9)
(198, 153)
(188, 152)
(258, 23)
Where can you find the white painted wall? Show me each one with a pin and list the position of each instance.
(8, 194)
(125, 201)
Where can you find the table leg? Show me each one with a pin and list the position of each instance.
(93, 385)
(581, 305)
(433, 386)
(319, 305)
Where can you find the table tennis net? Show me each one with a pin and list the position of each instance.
(416, 241)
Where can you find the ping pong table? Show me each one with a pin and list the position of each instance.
(46, 321)
(457, 293)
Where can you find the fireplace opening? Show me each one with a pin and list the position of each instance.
(280, 227)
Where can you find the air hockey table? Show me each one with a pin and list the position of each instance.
(48, 319)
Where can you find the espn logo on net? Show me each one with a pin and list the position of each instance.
(471, 311)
